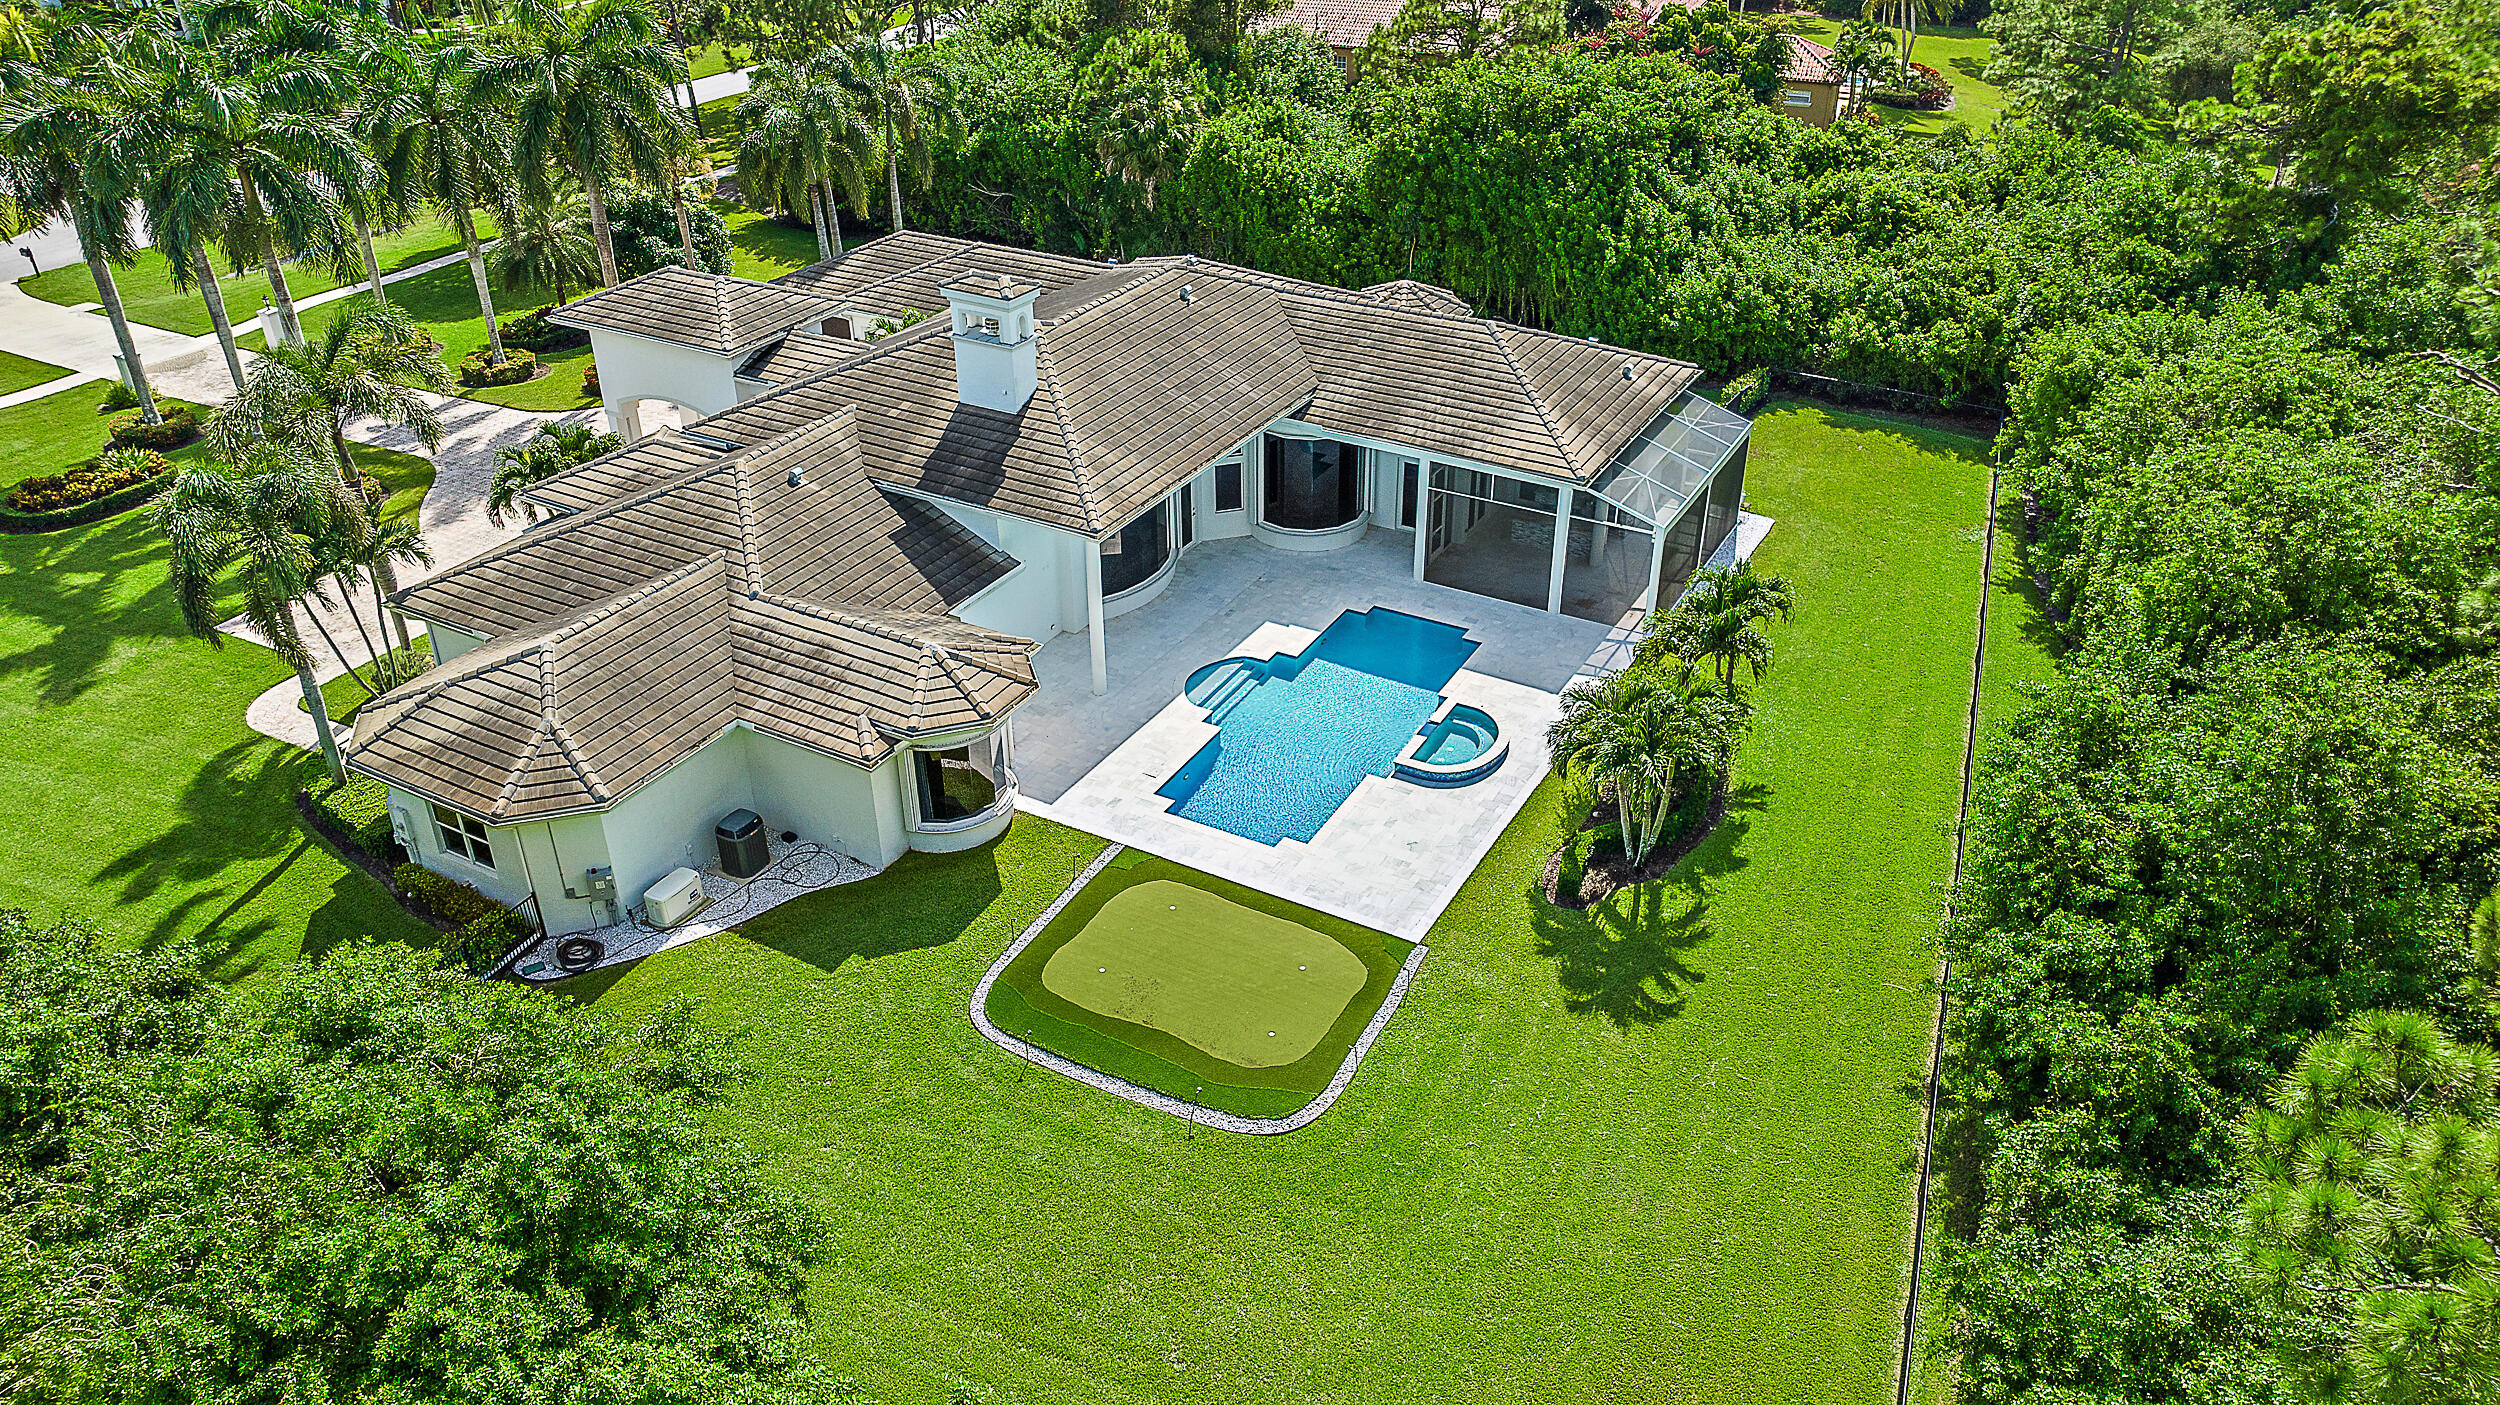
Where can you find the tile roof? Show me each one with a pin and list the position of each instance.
(1139, 388)
(832, 536)
(798, 356)
(656, 459)
(909, 271)
(1809, 62)
(1411, 296)
(715, 312)
(1344, 24)
(576, 713)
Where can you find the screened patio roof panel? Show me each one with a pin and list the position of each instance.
(1660, 471)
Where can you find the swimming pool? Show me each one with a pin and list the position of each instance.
(1298, 732)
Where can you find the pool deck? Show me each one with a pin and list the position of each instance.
(1395, 853)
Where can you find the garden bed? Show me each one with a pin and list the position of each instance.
(1607, 870)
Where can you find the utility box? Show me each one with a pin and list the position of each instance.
(743, 851)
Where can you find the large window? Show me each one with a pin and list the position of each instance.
(463, 837)
(1228, 486)
(1312, 484)
(1132, 555)
(963, 782)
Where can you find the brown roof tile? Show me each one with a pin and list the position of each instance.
(716, 312)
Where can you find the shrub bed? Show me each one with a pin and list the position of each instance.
(531, 331)
(446, 899)
(1927, 91)
(590, 381)
(107, 473)
(180, 426)
(360, 810)
(518, 366)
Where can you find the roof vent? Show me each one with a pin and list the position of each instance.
(1188, 294)
(1592, 341)
(1627, 370)
(1113, 260)
(797, 476)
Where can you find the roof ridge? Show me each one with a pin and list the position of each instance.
(1536, 396)
(1046, 372)
(742, 490)
(1096, 301)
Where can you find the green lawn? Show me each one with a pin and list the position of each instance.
(704, 60)
(20, 372)
(63, 430)
(1171, 978)
(1961, 55)
(139, 796)
(1660, 1151)
(149, 295)
(445, 302)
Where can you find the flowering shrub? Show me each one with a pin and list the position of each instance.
(517, 367)
(106, 473)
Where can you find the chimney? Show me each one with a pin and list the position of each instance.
(994, 340)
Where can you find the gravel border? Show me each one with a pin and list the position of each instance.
(1164, 1102)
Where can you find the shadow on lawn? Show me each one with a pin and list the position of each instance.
(920, 901)
(1621, 958)
(58, 581)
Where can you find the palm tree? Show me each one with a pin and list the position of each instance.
(62, 146)
(553, 449)
(447, 149)
(390, 196)
(545, 244)
(906, 102)
(805, 133)
(269, 522)
(1718, 622)
(370, 364)
(247, 149)
(584, 86)
(1637, 733)
(387, 543)
(1151, 98)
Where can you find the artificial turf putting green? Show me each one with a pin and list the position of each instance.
(1178, 976)
(1253, 990)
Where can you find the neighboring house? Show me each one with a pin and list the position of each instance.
(819, 598)
(1810, 86)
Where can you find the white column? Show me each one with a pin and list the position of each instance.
(1423, 514)
(1657, 558)
(1093, 616)
(1562, 551)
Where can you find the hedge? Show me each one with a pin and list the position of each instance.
(449, 899)
(517, 367)
(61, 519)
(531, 331)
(180, 426)
(102, 476)
(1744, 394)
(360, 809)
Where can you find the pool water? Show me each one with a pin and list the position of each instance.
(1298, 732)
(1462, 736)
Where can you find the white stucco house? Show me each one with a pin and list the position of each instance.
(817, 596)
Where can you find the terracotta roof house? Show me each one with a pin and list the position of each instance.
(817, 598)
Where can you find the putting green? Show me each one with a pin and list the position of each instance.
(1253, 990)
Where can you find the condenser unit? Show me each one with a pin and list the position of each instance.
(676, 897)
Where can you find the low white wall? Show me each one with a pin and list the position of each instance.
(635, 368)
(668, 823)
(832, 802)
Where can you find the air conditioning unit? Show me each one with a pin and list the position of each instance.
(676, 897)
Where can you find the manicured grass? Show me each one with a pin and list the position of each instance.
(149, 295)
(445, 303)
(138, 796)
(766, 246)
(1961, 55)
(21, 372)
(704, 60)
(1198, 987)
(1659, 1151)
(63, 430)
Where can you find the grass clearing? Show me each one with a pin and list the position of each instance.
(1174, 979)
(1661, 1150)
(1960, 54)
(149, 295)
(24, 373)
(141, 798)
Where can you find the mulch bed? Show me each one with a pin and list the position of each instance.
(1605, 873)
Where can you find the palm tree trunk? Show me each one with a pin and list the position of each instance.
(373, 266)
(110, 294)
(313, 610)
(894, 178)
(685, 231)
(816, 197)
(288, 322)
(215, 297)
(599, 229)
(320, 711)
(347, 602)
(349, 473)
(386, 583)
(833, 220)
(477, 275)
